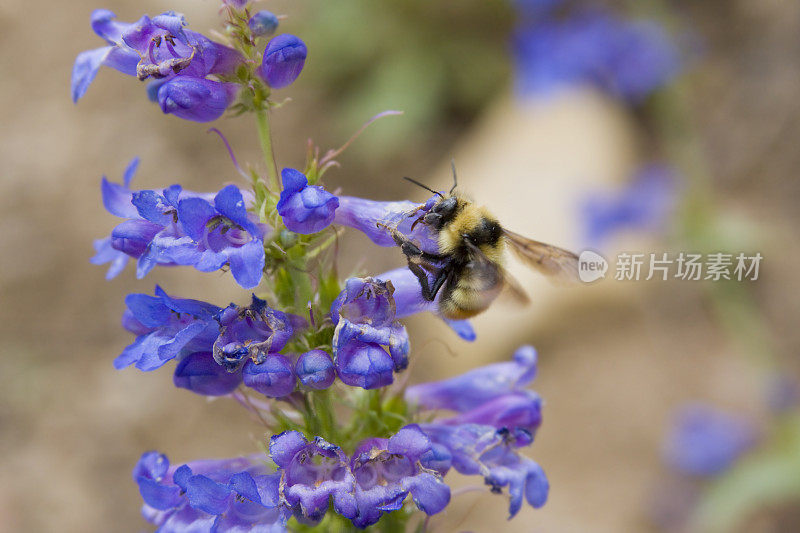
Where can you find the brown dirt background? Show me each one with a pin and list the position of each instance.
(614, 363)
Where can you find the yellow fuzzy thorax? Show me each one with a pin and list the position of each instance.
(468, 217)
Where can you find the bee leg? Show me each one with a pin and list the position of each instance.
(428, 291)
(411, 250)
(422, 276)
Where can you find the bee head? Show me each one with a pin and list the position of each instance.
(442, 212)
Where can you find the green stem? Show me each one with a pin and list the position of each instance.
(264, 135)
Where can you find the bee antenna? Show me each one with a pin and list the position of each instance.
(455, 177)
(415, 182)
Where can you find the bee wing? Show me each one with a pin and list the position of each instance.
(558, 264)
(513, 290)
(506, 285)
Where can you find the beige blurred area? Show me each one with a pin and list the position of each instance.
(615, 359)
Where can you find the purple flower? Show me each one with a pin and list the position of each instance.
(177, 227)
(212, 495)
(263, 23)
(387, 471)
(627, 59)
(312, 474)
(705, 441)
(201, 374)
(371, 218)
(248, 344)
(166, 328)
(315, 369)
(223, 233)
(274, 376)
(478, 386)
(217, 349)
(644, 204)
(305, 208)
(196, 99)
(369, 345)
(283, 61)
(492, 453)
(250, 333)
(161, 48)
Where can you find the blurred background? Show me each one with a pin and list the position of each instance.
(649, 126)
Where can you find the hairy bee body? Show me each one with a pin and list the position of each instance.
(468, 270)
(476, 278)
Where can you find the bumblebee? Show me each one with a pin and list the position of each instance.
(468, 268)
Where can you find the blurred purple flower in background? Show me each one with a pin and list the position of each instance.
(706, 442)
(645, 204)
(627, 59)
(263, 23)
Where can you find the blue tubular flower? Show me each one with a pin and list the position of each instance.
(366, 215)
(312, 474)
(214, 495)
(478, 387)
(177, 227)
(315, 369)
(283, 61)
(387, 471)
(263, 23)
(196, 99)
(166, 328)
(305, 209)
(513, 410)
(163, 49)
(645, 204)
(627, 59)
(491, 452)
(706, 442)
(364, 315)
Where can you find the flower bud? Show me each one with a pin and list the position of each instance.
(315, 369)
(365, 365)
(196, 99)
(305, 209)
(263, 23)
(273, 377)
(199, 373)
(283, 60)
